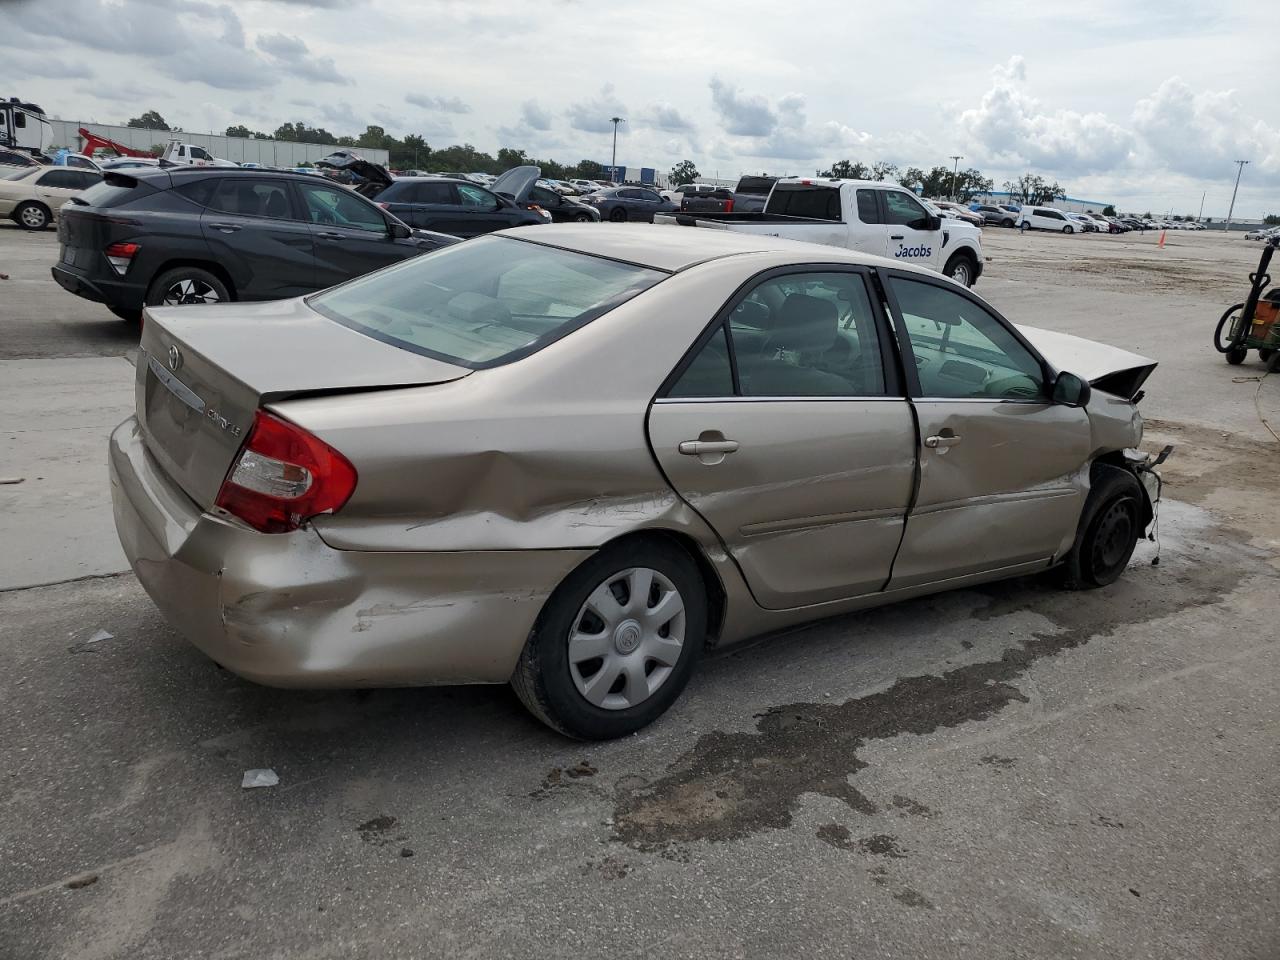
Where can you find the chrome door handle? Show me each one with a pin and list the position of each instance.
(698, 448)
(941, 442)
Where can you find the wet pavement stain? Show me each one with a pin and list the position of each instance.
(882, 845)
(909, 806)
(836, 835)
(1002, 763)
(375, 831)
(912, 898)
(729, 786)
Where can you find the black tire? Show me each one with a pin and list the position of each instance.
(31, 215)
(1237, 355)
(1110, 526)
(962, 268)
(582, 218)
(200, 279)
(1265, 354)
(543, 679)
(1068, 229)
(617, 215)
(128, 316)
(1224, 344)
(1007, 223)
(1273, 363)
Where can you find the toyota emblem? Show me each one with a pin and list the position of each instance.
(175, 359)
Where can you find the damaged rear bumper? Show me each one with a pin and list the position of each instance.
(288, 610)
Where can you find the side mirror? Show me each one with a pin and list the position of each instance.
(1071, 391)
(399, 231)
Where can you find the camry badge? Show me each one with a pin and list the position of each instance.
(175, 359)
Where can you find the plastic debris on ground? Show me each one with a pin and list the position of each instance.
(259, 778)
(101, 635)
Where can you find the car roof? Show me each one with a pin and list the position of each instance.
(671, 248)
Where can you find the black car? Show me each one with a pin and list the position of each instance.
(563, 209)
(445, 204)
(752, 193)
(630, 203)
(174, 235)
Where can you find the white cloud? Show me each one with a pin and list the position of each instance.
(437, 103)
(1202, 134)
(292, 55)
(740, 114)
(667, 117)
(1010, 128)
(534, 116)
(593, 116)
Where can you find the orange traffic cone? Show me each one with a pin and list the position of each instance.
(1161, 243)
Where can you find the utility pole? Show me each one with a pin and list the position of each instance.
(1232, 209)
(957, 158)
(1200, 216)
(614, 165)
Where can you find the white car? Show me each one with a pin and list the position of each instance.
(1087, 224)
(1047, 218)
(32, 196)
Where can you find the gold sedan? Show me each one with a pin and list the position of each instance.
(571, 458)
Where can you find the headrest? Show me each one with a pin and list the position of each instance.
(751, 313)
(805, 324)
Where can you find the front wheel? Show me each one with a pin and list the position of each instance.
(616, 642)
(618, 215)
(960, 269)
(582, 218)
(1006, 223)
(1109, 530)
(1229, 324)
(1068, 230)
(1237, 355)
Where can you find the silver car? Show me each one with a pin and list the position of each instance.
(571, 461)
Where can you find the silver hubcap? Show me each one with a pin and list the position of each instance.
(626, 638)
(960, 273)
(190, 291)
(33, 216)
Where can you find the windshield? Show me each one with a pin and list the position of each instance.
(485, 302)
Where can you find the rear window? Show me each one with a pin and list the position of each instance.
(114, 190)
(757, 185)
(484, 302)
(22, 173)
(797, 200)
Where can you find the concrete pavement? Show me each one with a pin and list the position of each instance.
(1010, 771)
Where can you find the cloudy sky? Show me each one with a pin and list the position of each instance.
(1144, 103)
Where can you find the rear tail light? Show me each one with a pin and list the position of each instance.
(283, 476)
(120, 255)
(728, 205)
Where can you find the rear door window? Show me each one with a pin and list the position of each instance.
(868, 208)
(253, 198)
(60, 180)
(473, 198)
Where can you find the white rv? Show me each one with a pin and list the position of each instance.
(23, 126)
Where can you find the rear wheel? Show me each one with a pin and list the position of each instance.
(617, 215)
(616, 642)
(1110, 526)
(1007, 223)
(186, 285)
(582, 218)
(32, 215)
(1237, 355)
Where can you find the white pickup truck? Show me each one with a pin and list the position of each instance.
(877, 218)
(190, 155)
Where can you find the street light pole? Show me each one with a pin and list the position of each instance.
(613, 166)
(954, 172)
(1232, 209)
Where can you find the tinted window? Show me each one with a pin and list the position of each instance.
(756, 185)
(17, 159)
(199, 153)
(654, 198)
(114, 192)
(88, 178)
(709, 373)
(901, 209)
(962, 351)
(545, 197)
(64, 179)
(868, 209)
(340, 207)
(485, 301)
(629, 194)
(819, 203)
(198, 191)
(429, 193)
(253, 198)
(476, 199)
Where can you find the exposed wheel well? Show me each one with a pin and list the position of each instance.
(214, 268)
(1117, 459)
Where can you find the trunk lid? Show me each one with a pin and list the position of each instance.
(375, 177)
(203, 371)
(1110, 369)
(516, 183)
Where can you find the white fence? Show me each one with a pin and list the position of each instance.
(272, 153)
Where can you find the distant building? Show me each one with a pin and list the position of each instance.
(1070, 204)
